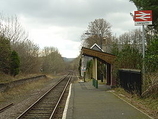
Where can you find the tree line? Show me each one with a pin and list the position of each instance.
(18, 54)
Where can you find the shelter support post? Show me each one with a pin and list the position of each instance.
(95, 68)
(108, 74)
(110, 79)
(95, 80)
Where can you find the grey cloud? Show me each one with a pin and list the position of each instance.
(64, 12)
(68, 13)
(70, 16)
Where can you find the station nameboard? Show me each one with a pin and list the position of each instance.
(143, 17)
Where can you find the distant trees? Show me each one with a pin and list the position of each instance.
(74, 64)
(18, 54)
(52, 62)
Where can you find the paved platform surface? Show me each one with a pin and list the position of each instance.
(87, 102)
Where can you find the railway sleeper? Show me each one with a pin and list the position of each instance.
(36, 117)
(47, 102)
(45, 105)
(39, 113)
(43, 109)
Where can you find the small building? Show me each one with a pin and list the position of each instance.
(97, 54)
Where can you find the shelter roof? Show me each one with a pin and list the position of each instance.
(107, 57)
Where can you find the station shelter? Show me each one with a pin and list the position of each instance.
(105, 58)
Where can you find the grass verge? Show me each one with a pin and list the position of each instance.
(148, 105)
(18, 92)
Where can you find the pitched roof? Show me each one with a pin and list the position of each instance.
(96, 47)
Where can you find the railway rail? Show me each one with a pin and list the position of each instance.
(45, 107)
(6, 107)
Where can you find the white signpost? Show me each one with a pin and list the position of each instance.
(142, 18)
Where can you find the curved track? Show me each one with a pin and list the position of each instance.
(45, 107)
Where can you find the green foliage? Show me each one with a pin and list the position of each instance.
(89, 68)
(152, 56)
(5, 52)
(14, 63)
(128, 57)
(115, 49)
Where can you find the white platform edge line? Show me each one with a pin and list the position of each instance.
(134, 106)
(67, 103)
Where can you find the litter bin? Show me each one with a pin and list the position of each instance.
(95, 83)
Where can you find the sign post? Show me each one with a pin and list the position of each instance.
(143, 18)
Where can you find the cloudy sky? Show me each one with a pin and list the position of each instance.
(60, 23)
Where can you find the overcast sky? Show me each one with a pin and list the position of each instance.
(60, 23)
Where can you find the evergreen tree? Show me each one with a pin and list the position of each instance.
(14, 63)
(5, 52)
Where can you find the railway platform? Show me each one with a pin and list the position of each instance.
(87, 102)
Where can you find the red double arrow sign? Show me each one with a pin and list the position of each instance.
(143, 17)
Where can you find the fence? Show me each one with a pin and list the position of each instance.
(131, 80)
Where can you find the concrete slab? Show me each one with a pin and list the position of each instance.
(87, 102)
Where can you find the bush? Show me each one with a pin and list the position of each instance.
(14, 64)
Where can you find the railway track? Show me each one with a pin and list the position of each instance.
(45, 107)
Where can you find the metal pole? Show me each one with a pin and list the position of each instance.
(100, 41)
(143, 44)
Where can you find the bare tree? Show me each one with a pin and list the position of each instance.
(52, 61)
(100, 26)
(12, 29)
(29, 56)
(132, 38)
(100, 31)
